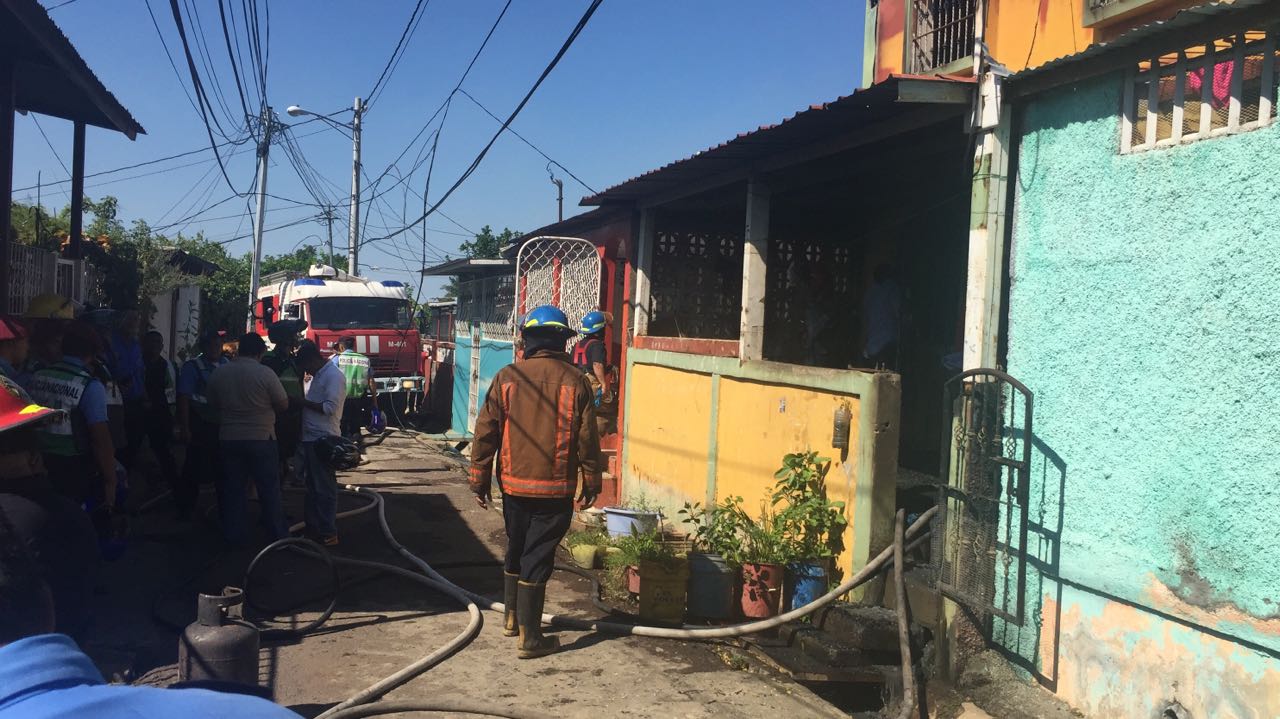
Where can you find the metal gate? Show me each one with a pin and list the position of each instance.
(980, 539)
(560, 271)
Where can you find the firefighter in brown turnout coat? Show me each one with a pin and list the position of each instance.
(538, 423)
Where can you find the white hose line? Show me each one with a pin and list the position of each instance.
(699, 633)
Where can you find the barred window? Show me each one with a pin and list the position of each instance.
(1218, 88)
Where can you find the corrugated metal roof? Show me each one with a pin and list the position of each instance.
(52, 78)
(863, 106)
(1184, 19)
(470, 266)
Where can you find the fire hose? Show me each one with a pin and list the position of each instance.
(361, 704)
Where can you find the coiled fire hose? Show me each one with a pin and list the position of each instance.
(360, 704)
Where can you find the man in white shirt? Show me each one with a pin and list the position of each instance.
(321, 417)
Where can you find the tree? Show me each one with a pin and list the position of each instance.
(486, 245)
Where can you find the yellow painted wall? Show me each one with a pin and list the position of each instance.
(669, 420)
(759, 423)
(1027, 33)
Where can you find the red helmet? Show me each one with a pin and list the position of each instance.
(16, 407)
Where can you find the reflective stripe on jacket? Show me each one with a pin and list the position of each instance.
(60, 386)
(538, 423)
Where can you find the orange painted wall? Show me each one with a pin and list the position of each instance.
(891, 24)
(1027, 33)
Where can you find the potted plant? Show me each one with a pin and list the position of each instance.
(713, 576)
(652, 570)
(636, 513)
(763, 553)
(586, 547)
(810, 523)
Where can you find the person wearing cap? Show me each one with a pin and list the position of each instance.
(539, 417)
(77, 447)
(247, 397)
(47, 316)
(355, 367)
(321, 417)
(14, 346)
(198, 422)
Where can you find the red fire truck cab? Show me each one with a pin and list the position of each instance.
(377, 313)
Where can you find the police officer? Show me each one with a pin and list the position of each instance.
(540, 415)
(77, 448)
(360, 386)
(160, 385)
(198, 423)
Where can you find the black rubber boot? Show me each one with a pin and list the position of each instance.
(529, 607)
(510, 585)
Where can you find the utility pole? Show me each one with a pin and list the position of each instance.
(264, 147)
(559, 194)
(328, 217)
(353, 242)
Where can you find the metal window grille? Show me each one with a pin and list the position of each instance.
(941, 33)
(696, 287)
(560, 271)
(487, 301)
(1221, 87)
(809, 306)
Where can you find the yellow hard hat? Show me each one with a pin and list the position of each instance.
(50, 306)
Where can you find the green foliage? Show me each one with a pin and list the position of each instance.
(485, 246)
(807, 519)
(639, 501)
(715, 529)
(593, 537)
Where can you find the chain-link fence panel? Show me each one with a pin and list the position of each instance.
(487, 301)
(560, 271)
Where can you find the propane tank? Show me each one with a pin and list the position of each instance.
(219, 645)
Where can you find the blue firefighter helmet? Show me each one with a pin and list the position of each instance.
(548, 317)
(593, 322)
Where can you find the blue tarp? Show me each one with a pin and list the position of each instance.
(494, 355)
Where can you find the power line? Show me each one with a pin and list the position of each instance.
(59, 5)
(577, 30)
(409, 28)
(51, 147)
(231, 56)
(530, 144)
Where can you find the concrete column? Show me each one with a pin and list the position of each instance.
(983, 294)
(641, 305)
(754, 265)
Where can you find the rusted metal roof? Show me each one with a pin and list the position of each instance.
(1188, 20)
(50, 76)
(863, 107)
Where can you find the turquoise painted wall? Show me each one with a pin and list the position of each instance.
(494, 355)
(1144, 313)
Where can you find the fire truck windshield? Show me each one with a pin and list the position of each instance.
(365, 312)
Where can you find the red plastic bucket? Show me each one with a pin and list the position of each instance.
(761, 590)
(632, 575)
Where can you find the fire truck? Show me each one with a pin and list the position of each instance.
(377, 313)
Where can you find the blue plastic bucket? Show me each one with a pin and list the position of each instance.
(619, 521)
(711, 586)
(808, 583)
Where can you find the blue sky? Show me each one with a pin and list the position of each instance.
(647, 82)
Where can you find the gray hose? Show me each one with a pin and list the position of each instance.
(904, 628)
(439, 705)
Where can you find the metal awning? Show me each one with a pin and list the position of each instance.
(471, 266)
(50, 77)
(882, 109)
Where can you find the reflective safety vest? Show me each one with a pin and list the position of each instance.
(287, 370)
(199, 396)
(61, 386)
(355, 367)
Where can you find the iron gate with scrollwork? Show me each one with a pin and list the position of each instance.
(980, 538)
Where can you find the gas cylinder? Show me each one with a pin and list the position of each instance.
(219, 645)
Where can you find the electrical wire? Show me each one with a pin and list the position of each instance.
(564, 48)
(396, 53)
(231, 56)
(530, 144)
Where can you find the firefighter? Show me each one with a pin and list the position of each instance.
(14, 346)
(78, 453)
(47, 316)
(539, 416)
(198, 423)
(592, 357)
(360, 387)
(281, 358)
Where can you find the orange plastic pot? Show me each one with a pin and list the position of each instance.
(632, 576)
(761, 590)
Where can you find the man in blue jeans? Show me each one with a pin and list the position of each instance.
(247, 394)
(321, 417)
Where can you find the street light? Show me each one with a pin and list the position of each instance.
(353, 237)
